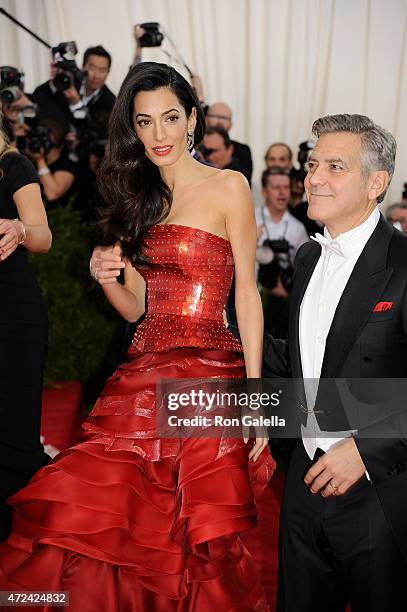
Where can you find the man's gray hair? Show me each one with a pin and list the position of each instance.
(378, 145)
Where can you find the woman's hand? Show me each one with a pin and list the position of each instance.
(253, 417)
(106, 264)
(260, 444)
(12, 232)
(261, 434)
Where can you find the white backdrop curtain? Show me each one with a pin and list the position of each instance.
(279, 63)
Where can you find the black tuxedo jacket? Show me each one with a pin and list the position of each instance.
(54, 105)
(242, 160)
(362, 343)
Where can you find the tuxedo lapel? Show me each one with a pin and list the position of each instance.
(303, 273)
(363, 290)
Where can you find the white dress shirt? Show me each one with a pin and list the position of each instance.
(80, 109)
(321, 298)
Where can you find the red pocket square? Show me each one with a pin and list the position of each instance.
(383, 306)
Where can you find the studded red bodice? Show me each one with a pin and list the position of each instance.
(187, 292)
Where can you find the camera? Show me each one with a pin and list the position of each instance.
(8, 95)
(303, 153)
(64, 59)
(37, 136)
(274, 262)
(11, 84)
(152, 36)
(10, 76)
(278, 246)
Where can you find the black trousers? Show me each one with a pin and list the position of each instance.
(337, 550)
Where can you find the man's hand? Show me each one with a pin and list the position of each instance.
(279, 290)
(138, 32)
(72, 95)
(71, 141)
(337, 471)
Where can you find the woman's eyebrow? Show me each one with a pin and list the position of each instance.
(171, 110)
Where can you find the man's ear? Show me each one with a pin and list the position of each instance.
(378, 181)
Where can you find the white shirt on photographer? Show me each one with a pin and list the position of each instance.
(288, 227)
(79, 109)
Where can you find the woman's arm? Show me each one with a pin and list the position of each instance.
(242, 233)
(55, 184)
(32, 227)
(128, 299)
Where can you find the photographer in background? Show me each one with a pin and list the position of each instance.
(220, 115)
(55, 169)
(78, 99)
(396, 214)
(218, 150)
(16, 105)
(279, 155)
(279, 237)
(298, 203)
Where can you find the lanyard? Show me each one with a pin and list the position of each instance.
(266, 228)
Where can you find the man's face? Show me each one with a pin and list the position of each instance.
(221, 156)
(277, 193)
(278, 156)
(219, 115)
(337, 192)
(97, 68)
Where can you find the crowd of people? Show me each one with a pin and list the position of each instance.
(63, 130)
(175, 229)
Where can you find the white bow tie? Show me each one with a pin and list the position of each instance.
(329, 244)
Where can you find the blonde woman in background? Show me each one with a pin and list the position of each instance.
(23, 324)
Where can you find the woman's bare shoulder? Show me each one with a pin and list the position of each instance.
(227, 182)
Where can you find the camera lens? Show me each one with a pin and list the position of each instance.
(34, 146)
(63, 81)
(10, 94)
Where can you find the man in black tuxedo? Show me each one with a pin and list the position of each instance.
(343, 532)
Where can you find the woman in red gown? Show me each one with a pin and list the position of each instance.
(125, 520)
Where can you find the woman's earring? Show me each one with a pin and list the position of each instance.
(190, 141)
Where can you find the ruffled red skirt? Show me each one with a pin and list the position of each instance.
(128, 522)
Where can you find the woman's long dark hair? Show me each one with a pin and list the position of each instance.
(134, 193)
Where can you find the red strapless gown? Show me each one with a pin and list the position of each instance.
(128, 522)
